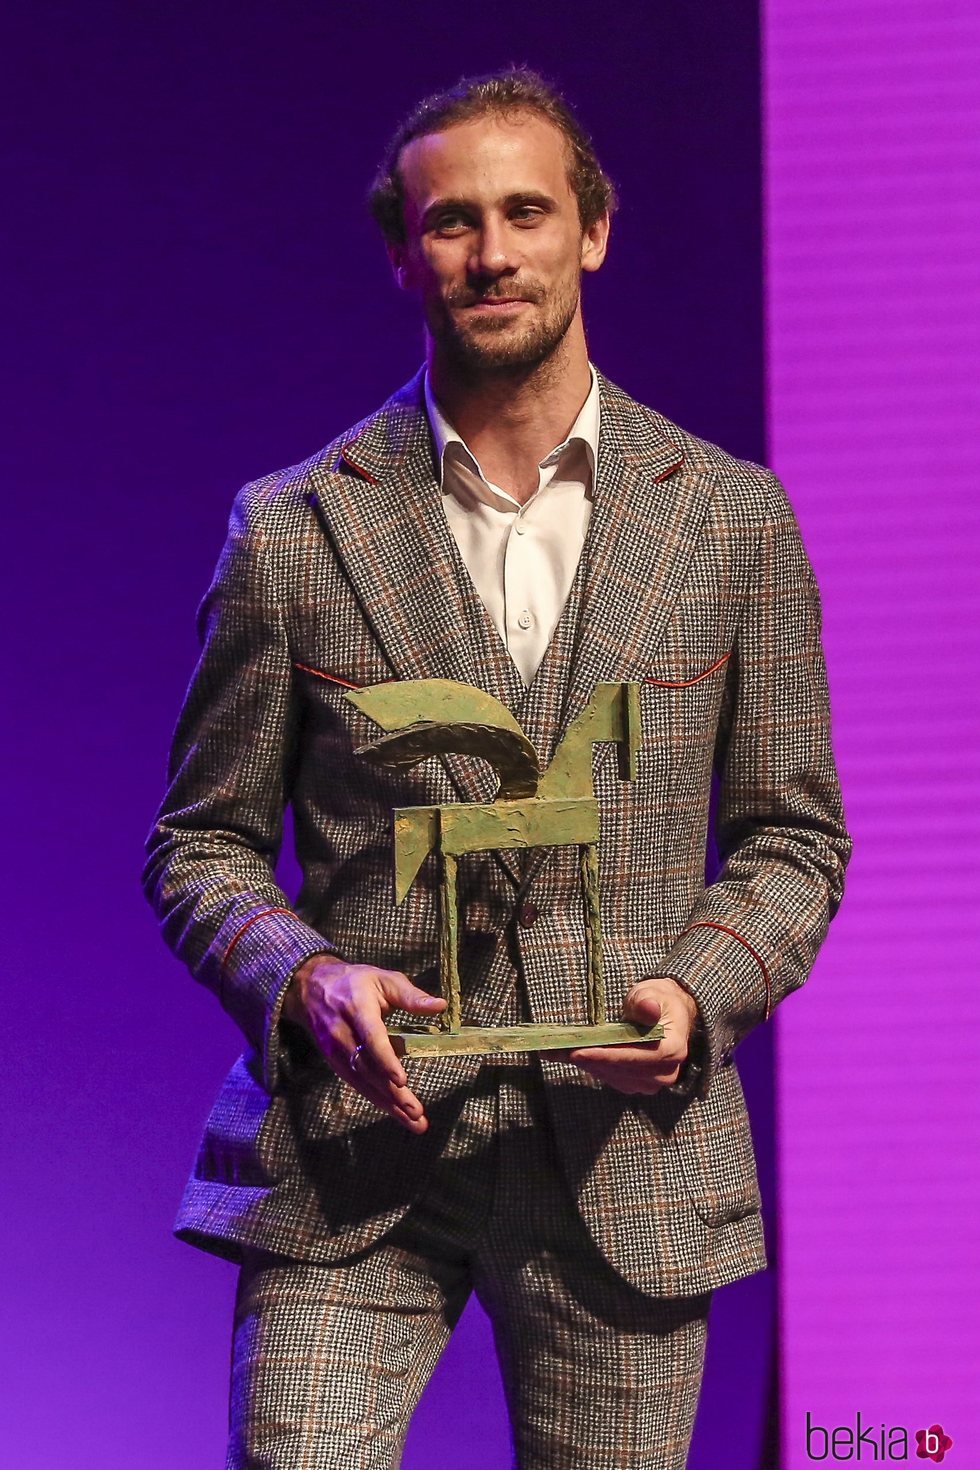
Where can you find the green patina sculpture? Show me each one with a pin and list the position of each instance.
(533, 808)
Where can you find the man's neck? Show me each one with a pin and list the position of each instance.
(511, 421)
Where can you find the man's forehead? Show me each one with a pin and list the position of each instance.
(486, 155)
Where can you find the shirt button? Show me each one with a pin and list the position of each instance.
(525, 620)
(527, 914)
(518, 528)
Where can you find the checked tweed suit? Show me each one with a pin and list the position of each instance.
(342, 571)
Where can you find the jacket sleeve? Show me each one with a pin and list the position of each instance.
(211, 853)
(755, 932)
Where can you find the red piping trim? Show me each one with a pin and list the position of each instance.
(356, 467)
(330, 678)
(262, 914)
(665, 473)
(710, 924)
(684, 683)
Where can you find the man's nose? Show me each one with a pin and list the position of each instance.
(493, 250)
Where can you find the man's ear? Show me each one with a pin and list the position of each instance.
(400, 267)
(594, 243)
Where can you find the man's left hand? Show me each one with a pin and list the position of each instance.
(644, 1066)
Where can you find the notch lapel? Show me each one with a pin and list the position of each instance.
(647, 513)
(381, 506)
(648, 510)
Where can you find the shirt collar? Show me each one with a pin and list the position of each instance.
(585, 429)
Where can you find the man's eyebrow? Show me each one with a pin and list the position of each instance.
(466, 206)
(440, 206)
(531, 196)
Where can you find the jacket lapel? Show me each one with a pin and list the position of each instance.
(648, 509)
(647, 512)
(381, 505)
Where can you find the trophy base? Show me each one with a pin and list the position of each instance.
(430, 1041)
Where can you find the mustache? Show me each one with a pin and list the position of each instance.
(513, 293)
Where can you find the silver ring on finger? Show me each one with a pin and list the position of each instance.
(355, 1057)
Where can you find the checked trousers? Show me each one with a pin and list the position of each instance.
(328, 1362)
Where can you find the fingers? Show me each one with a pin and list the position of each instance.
(346, 1005)
(642, 1068)
(660, 998)
(378, 1073)
(646, 1066)
(642, 1008)
(378, 1054)
(397, 1100)
(379, 1064)
(645, 1079)
(399, 991)
(356, 1044)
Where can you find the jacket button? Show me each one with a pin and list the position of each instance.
(527, 914)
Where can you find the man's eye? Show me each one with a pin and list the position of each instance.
(526, 214)
(449, 222)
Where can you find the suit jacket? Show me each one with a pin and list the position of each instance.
(342, 571)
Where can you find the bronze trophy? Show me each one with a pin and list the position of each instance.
(532, 808)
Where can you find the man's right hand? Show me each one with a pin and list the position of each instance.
(342, 1007)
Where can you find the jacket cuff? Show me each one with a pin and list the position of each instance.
(691, 1079)
(259, 959)
(730, 982)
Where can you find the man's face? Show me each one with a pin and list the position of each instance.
(493, 244)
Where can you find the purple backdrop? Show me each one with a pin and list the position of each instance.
(873, 214)
(196, 296)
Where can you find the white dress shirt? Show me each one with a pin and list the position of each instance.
(522, 559)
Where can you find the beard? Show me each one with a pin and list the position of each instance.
(501, 348)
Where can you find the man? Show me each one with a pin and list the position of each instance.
(512, 520)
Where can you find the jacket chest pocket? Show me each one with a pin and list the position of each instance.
(333, 726)
(334, 729)
(331, 643)
(334, 654)
(681, 691)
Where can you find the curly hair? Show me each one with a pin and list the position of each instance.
(514, 90)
